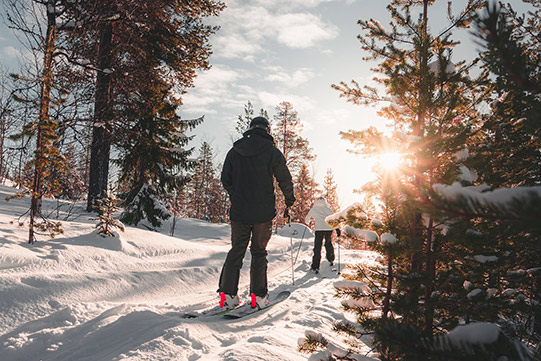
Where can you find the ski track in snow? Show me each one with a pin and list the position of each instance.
(83, 297)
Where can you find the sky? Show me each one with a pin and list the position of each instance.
(269, 51)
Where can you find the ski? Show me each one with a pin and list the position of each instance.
(214, 311)
(246, 309)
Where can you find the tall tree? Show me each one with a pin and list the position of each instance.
(305, 194)
(155, 154)
(47, 157)
(433, 107)
(171, 31)
(507, 157)
(330, 191)
(286, 131)
(243, 120)
(204, 190)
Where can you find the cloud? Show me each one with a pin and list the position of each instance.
(303, 30)
(291, 4)
(294, 79)
(11, 52)
(270, 100)
(247, 30)
(212, 88)
(236, 46)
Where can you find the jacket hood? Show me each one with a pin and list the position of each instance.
(254, 142)
(321, 203)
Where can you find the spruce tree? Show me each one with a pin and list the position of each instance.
(243, 120)
(432, 102)
(330, 191)
(117, 39)
(155, 154)
(205, 192)
(502, 237)
(286, 131)
(305, 194)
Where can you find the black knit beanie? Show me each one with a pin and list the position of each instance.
(260, 122)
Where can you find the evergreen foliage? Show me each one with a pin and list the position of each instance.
(171, 44)
(305, 194)
(154, 154)
(330, 191)
(106, 220)
(286, 132)
(440, 272)
(243, 120)
(207, 197)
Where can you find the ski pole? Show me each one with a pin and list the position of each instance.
(291, 244)
(338, 241)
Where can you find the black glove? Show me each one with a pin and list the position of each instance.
(286, 213)
(338, 233)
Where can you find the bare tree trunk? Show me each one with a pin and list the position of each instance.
(101, 132)
(387, 299)
(3, 116)
(45, 98)
(431, 274)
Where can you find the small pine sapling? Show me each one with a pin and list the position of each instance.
(106, 222)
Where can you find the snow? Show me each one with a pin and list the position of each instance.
(296, 231)
(509, 292)
(462, 155)
(474, 293)
(474, 333)
(361, 287)
(355, 210)
(467, 174)
(503, 197)
(388, 238)
(83, 297)
(491, 292)
(361, 234)
(484, 259)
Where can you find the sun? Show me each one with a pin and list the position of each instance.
(390, 160)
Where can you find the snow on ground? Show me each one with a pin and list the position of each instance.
(83, 297)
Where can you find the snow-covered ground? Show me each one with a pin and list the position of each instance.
(83, 297)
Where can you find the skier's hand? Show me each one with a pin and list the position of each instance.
(338, 233)
(286, 214)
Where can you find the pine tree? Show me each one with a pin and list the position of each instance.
(47, 158)
(433, 108)
(286, 131)
(305, 194)
(106, 220)
(204, 190)
(503, 237)
(329, 191)
(122, 33)
(155, 154)
(243, 121)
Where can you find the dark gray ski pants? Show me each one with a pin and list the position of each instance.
(258, 235)
(329, 249)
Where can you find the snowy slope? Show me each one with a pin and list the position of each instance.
(83, 297)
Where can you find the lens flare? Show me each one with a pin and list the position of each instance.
(390, 160)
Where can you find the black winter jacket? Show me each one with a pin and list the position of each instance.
(247, 175)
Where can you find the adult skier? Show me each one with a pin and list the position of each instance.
(248, 176)
(319, 212)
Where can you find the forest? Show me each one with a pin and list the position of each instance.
(95, 118)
